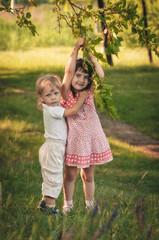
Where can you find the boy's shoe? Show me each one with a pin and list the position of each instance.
(67, 208)
(49, 211)
(42, 205)
(52, 210)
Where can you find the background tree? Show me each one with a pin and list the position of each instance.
(146, 31)
(105, 33)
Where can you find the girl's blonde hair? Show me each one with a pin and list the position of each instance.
(53, 80)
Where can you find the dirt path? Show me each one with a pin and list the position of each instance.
(128, 134)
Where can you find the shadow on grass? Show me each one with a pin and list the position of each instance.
(24, 80)
(18, 97)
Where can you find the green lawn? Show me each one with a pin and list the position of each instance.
(135, 93)
(128, 184)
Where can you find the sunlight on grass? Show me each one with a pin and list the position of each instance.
(13, 90)
(134, 57)
(35, 59)
(14, 125)
(56, 57)
(122, 146)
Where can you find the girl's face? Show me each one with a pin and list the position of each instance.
(80, 80)
(50, 96)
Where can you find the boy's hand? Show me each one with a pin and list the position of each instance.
(84, 94)
(80, 42)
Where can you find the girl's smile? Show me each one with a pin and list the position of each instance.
(80, 80)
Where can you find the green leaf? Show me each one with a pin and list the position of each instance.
(2, 9)
(157, 53)
(108, 51)
(89, 7)
(112, 23)
(108, 18)
(153, 35)
(133, 29)
(25, 21)
(124, 3)
(104, 101)
(125, 25)
(28, 15)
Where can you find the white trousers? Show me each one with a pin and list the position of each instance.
(51, 158)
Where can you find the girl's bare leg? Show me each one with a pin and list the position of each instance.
(87, 175)
(69, 181)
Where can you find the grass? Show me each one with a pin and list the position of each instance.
(119, 185)
(126, 188)
(136, 97)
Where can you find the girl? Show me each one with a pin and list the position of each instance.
(87, 145)
(51, 154)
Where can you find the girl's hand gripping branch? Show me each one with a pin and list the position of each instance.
(80, 43)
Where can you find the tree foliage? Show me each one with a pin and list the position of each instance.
(117, 16)
(23, 18)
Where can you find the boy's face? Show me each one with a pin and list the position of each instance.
(50, 96)
(80, 80)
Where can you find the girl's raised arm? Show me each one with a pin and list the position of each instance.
(70, 69)
(97, 66)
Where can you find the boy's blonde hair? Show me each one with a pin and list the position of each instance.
(53, 80)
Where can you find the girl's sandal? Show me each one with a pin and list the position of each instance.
(67, 208)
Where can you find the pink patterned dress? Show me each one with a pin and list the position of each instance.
(86, 142)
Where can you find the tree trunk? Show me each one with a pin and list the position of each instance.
(145, 25)
(12, 5)
(103, 23)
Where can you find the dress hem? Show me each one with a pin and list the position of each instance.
(87, 166)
